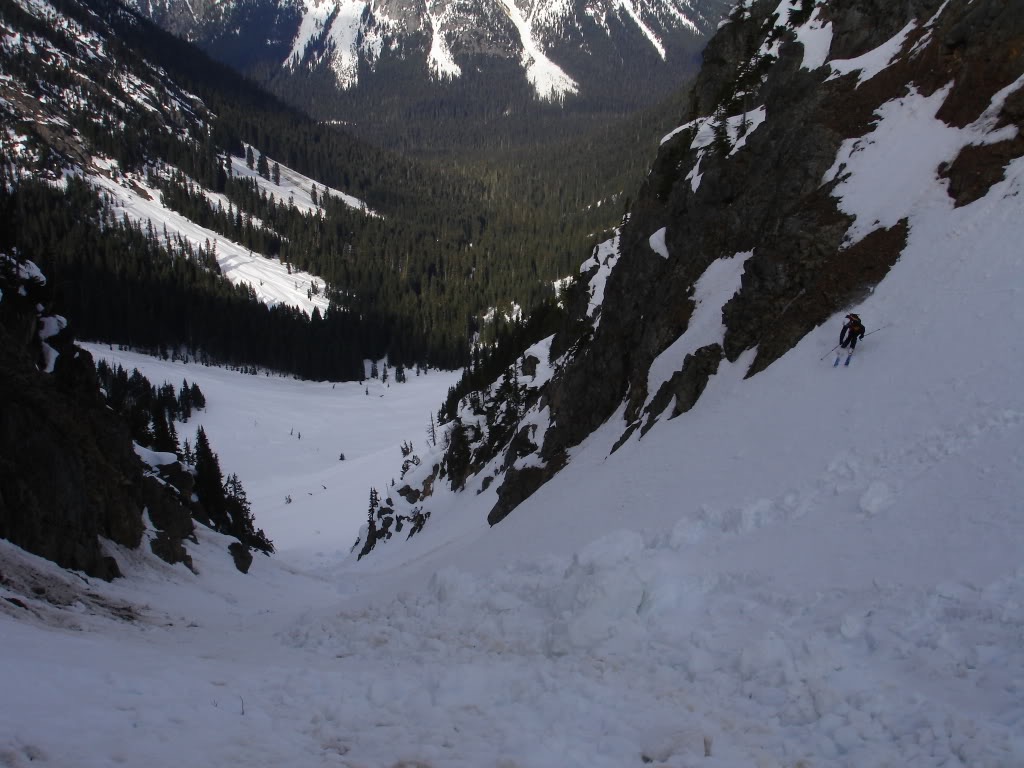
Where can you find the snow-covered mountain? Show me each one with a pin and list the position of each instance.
(56, 126)
(559, 46)
(711, 547)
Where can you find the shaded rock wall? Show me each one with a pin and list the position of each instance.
(769, 197)
(68, 470)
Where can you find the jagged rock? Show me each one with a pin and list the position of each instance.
(172, 521)
(67, 473)
(519, 485)
(977, 168)
(241, 555)
(770, 199)
(686, 384)
(521, 445)
(529, 366)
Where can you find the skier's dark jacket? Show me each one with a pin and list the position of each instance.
(852, 331)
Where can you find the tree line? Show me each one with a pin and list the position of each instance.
(150, 413)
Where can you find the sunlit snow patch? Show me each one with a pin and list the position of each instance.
(893, 169)
(548, 80)
(269, 277)
(719, 283)
(605, 257)
(295, 188)
(440, 60)
(874, 61)
(657, 243)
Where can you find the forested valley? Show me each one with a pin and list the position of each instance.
(462, 244)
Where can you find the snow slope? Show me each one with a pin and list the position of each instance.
(270, 278)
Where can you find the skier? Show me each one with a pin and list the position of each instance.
(853, 329)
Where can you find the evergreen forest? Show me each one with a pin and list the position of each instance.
(457, 237)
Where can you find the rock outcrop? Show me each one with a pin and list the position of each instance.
(69, 475)
(749, 190)
(753, 171)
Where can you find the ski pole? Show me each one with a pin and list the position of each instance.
(874, 331)
(829, 352)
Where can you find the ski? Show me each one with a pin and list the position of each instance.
(848, 358)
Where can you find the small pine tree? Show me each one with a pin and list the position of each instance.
(720, 130)
(185, 401)
(198, 399)
(210, 482)
(371, 524)
(275, 173)
(263, 166)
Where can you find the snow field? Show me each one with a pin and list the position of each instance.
(284, 438)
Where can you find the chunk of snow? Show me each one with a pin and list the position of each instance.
(657, 243)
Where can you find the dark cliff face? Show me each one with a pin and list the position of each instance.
(68, 471)
(766, 195)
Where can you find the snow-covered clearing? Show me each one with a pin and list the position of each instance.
(269, 277)
(295, 188)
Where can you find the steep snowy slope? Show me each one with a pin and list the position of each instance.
(811, 565)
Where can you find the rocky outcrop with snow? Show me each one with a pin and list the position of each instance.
(826, 142)
(70, 478)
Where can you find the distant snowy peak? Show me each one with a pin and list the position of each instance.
(347, 34)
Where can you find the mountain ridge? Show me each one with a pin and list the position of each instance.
(767, 168)
(560, 49)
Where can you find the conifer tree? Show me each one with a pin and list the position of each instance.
(198, 399)
(210, 482)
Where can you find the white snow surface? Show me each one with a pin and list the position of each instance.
(718, 284)
(295, 188)
(657, 242)
(813, 566)
(633, 12)
(816, 38)
(268, 276)
(874, 61)
(548, 79)
(339, 24)
(440, 59)
(605, 257)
